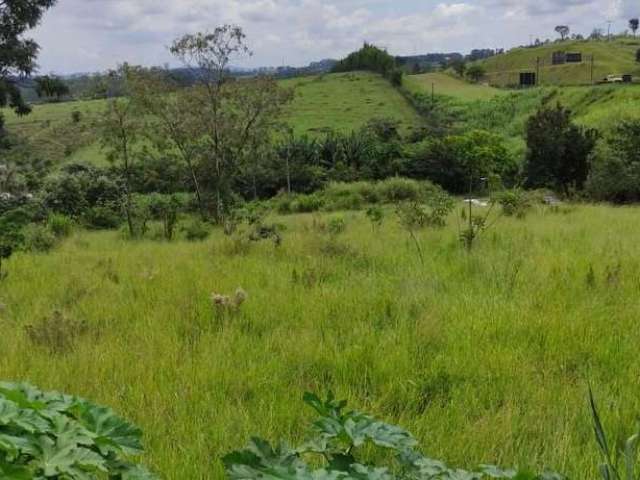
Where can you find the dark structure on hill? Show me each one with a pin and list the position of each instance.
(560, 58)
(528, 79)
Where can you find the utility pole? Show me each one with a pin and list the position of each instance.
(609, 22)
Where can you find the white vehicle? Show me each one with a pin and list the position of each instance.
(614, 79)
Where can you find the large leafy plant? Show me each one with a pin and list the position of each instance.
(340, 440)
(48, 435)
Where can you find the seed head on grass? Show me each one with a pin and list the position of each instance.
(223, 304)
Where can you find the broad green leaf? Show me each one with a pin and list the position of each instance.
(67, 458)
(14, 445)
(29, 420)
(110, 430)
(14, 472)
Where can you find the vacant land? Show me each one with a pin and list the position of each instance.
(485, 356)
(609, 58)
(444, 84)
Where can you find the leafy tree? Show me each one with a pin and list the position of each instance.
(234, 118)
(17, 54)
(120, 127)
(615, 175)
(170, 124)
(459, 66)
(476, 73)
(458, 163)
(369, 58)
(48, 87)
(559, 151)
(634, 23)
(563, 31)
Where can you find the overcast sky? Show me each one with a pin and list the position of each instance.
(91, 35)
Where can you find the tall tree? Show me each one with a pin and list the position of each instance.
(232, 115)
(558, 151)
(563, 31)
(50, 87)
(634, 23)
(120, 126)
(170, 123)
(17, 54)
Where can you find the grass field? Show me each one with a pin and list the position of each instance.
(341, 102)
(345, 102)
(484, 356)
(610, 58)
(444, 84)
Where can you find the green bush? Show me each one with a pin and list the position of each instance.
(398, 189)
(514, 202)
(38, 238)
(558, 150)
(104, 216)
(60, 225)
(615, 173)
(48, 435)
(460, 162)
(195, 230)
(336, 225)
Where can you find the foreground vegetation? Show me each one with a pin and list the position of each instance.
(541, 306)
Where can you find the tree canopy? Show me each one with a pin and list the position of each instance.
(17, 54)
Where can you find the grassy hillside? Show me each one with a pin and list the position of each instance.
(358, 315)
(345, 102)
(340, 102)
(614, 57)
(444, 84)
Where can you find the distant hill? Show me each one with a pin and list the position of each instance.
(614, 57)
(339, 102)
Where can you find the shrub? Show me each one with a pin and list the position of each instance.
(558, 151)
(336, 226)
(103, 216)
(38, 238)
(164, 209)
(376, 216)
(460, 162)
(60, 225)
(341, 442)
(615, 174)
(196, 230)
(48, 435)
(76, 116)
(398, 189)
(299, 203)
(57, 333)
(514, 202)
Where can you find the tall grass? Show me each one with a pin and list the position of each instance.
(488, 352)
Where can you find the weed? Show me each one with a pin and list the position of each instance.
(57, 333)
(225, 306)
(376, 217)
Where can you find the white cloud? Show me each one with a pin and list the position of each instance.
(81, 35)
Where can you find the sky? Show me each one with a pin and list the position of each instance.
(94, 35)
